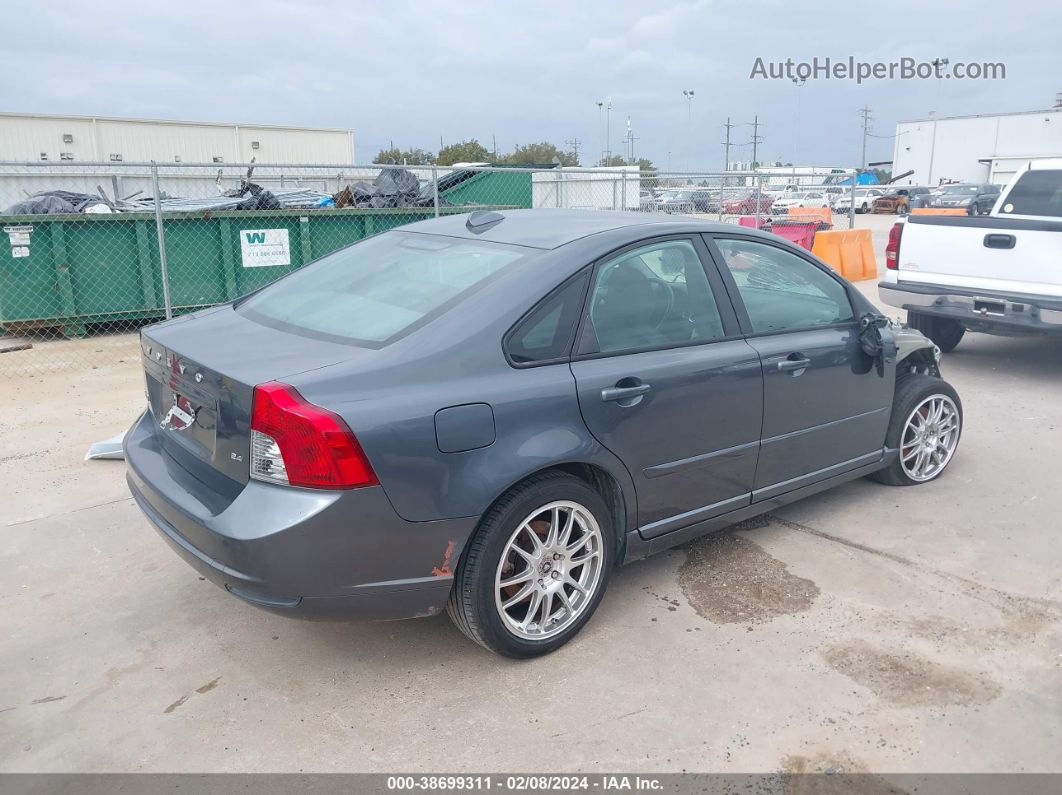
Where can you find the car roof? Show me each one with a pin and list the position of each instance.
(549, 228)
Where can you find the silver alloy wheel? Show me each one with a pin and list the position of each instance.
(929, 438)
(549, 571)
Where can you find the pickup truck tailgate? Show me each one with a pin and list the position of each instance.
(992, 254)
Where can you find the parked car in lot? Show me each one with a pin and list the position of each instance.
(803, 199)
(745, 204)
(975, 199)
(647, 200)
(864, 198)
(998, 275)
(676, 201)
(899, 200)
(486, 413)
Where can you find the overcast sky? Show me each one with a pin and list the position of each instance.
(414, 71)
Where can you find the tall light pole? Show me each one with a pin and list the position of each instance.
(799, 83)
(688, 94)
(600, 105)
(608, 131)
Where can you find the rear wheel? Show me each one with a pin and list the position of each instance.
(944, 332)
(536, 568)
(925, 427)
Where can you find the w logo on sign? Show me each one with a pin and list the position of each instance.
(255, 237)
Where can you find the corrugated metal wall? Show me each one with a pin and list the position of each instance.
(27, 137)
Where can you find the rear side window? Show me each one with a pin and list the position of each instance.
(381, 288)
(545, 335)
(1036, 193)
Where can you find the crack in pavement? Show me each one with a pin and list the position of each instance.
(1045, 609)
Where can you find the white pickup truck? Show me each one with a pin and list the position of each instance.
(1000, 274)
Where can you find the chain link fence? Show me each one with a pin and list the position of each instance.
(93, 251)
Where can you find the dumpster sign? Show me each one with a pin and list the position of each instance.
(19, 237)
(261, 247)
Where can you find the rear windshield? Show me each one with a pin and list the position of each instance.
(1037, 192)
(381, 288)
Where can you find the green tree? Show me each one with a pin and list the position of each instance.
(410, 157)
(612, 162)
(471, 151)
(543, 152)
(883, 175)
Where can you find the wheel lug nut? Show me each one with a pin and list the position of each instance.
(540, 581)
(557, 556)
(556, 575)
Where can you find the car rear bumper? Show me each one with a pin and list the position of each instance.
(1008, 311)
(297, 552)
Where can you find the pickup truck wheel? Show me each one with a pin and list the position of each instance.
(944, 333)
(536, 569)
(925, 427)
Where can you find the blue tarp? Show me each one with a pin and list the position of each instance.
(864, 178)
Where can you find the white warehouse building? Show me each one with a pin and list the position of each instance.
(32, 137)
(987, 147)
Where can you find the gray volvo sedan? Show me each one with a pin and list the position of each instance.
(488, 412)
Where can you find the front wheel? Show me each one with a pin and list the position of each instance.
(536, 569)
(925, 428)
(944, 332)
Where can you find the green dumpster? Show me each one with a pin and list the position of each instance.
(70, 271)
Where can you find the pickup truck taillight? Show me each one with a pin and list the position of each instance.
(892, 248)
(296, 443)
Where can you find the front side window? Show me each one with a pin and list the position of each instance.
(1036, 192)
(380, 288)
(782, 291)
(654, 296)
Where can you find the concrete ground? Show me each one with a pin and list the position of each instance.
(868, 628)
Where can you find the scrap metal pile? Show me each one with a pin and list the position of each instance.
(396, 187)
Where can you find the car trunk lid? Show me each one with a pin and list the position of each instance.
(200, 374)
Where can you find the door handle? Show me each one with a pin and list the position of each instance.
(1000, 241)
(794, 363)
(624, 392)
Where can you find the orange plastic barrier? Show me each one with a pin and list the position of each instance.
(847, 251)
(823, 214)
(938, 211)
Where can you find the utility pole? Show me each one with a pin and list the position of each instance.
(726, 145)
(757, 139)
(865, 113)
(494, 145)
(574, 144)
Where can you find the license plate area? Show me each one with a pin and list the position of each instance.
(984, 306)
(184, 415)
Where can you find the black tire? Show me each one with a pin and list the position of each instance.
(472, 604)
(911, 390)
(944, 332)
(864, 208)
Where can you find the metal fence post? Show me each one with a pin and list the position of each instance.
(851, 209)
(435, 187)
(759, 195)
(162, 240)
(623, 190)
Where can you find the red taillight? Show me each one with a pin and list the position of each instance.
(300, 444)
(892, 248)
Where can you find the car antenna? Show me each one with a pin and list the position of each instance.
(481, 220)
